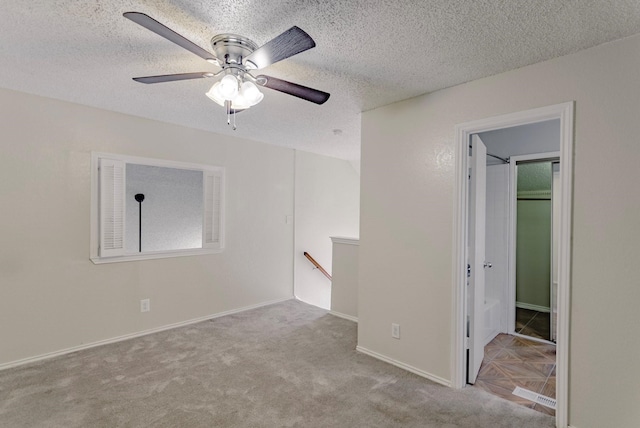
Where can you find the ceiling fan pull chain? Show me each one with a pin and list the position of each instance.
(227, 105)
(234, 121)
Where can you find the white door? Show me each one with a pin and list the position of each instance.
(476, 255)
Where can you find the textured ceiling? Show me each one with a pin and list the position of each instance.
(368, 54)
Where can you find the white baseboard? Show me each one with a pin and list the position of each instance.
(404, 366)
(345, 316)
(522, 305)
(134, 335)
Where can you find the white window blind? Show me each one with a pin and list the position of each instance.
(112, 207)
(213, 221)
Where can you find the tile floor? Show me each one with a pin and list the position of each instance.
(511, 361)
(533, 323)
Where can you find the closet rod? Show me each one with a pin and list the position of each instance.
(498, 157)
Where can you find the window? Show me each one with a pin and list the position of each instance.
(148, 208)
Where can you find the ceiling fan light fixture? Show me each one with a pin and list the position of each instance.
(228, 87)
(251, 93)
(214, 94)
(237, 55)
(240, 103)
(248, 95)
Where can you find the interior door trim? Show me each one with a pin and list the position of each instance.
(564, 112)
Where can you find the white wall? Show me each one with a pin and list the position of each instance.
(327, 204)
(344, 281)
(406, 238)
(53, 298)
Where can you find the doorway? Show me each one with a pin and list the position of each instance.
(534, 220)
(467, 349)
(519, 361)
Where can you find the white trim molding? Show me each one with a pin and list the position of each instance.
(404, 366)
(344, 240)
(212, 214)
(463, 132)
(58, 353)
(345, 316)
(156, 255)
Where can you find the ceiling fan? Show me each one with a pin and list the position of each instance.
(237, 89)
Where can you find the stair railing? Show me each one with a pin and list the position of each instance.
(317, 265)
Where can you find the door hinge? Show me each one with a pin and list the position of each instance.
(466, 343)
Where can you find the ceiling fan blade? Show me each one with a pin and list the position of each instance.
(306, 93)
(172, 77)
(290, 43)
(151, 24)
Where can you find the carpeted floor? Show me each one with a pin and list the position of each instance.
(285, 365)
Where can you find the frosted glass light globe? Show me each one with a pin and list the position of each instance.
(214, 94)
(251, 93)
(228, 87)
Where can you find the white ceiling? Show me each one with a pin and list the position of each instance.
(368, 54)
(540, 137)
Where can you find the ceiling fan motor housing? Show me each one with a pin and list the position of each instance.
(231, 49)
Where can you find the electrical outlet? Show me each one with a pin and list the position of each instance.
(145, 305)
(395, 331)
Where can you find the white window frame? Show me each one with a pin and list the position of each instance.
(213, 216)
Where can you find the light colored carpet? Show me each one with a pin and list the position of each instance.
(285, 365)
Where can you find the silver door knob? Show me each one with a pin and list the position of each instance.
(488, 265)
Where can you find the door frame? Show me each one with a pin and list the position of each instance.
(463, 132)
(513, 228)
